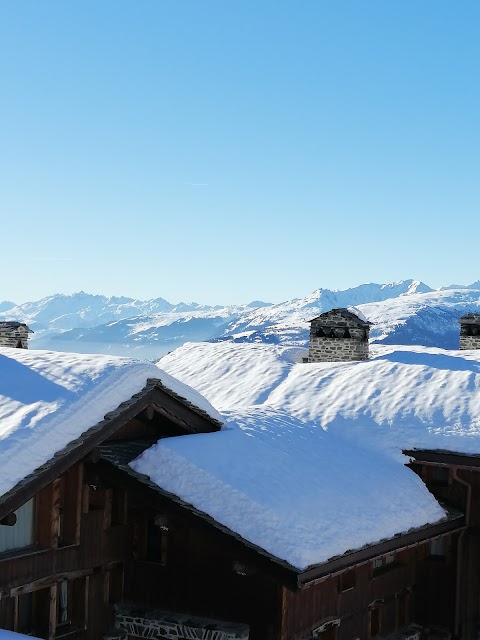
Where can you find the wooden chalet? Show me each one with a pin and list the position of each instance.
(91, 549)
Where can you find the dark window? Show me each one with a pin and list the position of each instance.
(402, 609)
(438, 547)
(157, 542)
(63, 608)
(24, 615)
(347, 580)
(383, 563)
(119, 506)
(375, 621)
(96, 498)
(70, 606)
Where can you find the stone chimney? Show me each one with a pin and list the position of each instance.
(14, 334)
(339, 335)
(470, 331)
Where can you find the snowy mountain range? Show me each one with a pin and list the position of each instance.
(405, 312)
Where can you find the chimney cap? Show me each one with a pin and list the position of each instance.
(12, 324)
(347, 313)
(470, 318)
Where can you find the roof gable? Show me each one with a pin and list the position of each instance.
(55, 407)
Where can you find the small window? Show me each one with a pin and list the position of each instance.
(438, 547)
(96, 498)
(119, 506)
(63, 604)
(70, 606)
(22, 533)
(375, 626)
(157, 542)
(381, 564)
(402, 608)
(347, 580)
(24, 622)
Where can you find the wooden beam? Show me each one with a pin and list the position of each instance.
(48, 581)
(78, 503)
(57, 488)
(444, 457)
(181, 414)
(52, 614)
(397, 543)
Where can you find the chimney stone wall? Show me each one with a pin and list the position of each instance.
(338, 336)
(14, 335)
(470, 331)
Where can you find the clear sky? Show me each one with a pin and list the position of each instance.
(223, 151)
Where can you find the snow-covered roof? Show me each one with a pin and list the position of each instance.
(296, 491)
(12, 635)
(48, 399)
(312, 465)
(402, 397)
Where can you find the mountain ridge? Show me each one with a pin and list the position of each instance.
(403, 312)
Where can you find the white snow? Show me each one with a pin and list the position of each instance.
(312, 465)
(356, 311)
(289, 487)
(12, 635)
(402, 397)
(48, 399)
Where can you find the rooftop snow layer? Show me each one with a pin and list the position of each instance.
(290, 487)
(403, 397)
(48, 399)
(313, 466)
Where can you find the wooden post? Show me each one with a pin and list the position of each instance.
(107, 511)
(52, 617)
(55, 511)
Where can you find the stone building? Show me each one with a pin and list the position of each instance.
(470, 331)
(338, 335)
(14, 334)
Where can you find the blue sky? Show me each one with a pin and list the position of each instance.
(228, 151)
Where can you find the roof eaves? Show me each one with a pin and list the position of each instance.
(62, 459)
(89, 439)
(444, 456)
(454, 521)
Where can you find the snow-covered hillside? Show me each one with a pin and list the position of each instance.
(145, 336)
(406, 312)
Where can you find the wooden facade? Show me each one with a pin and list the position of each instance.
(455, 479)
(104, 537)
